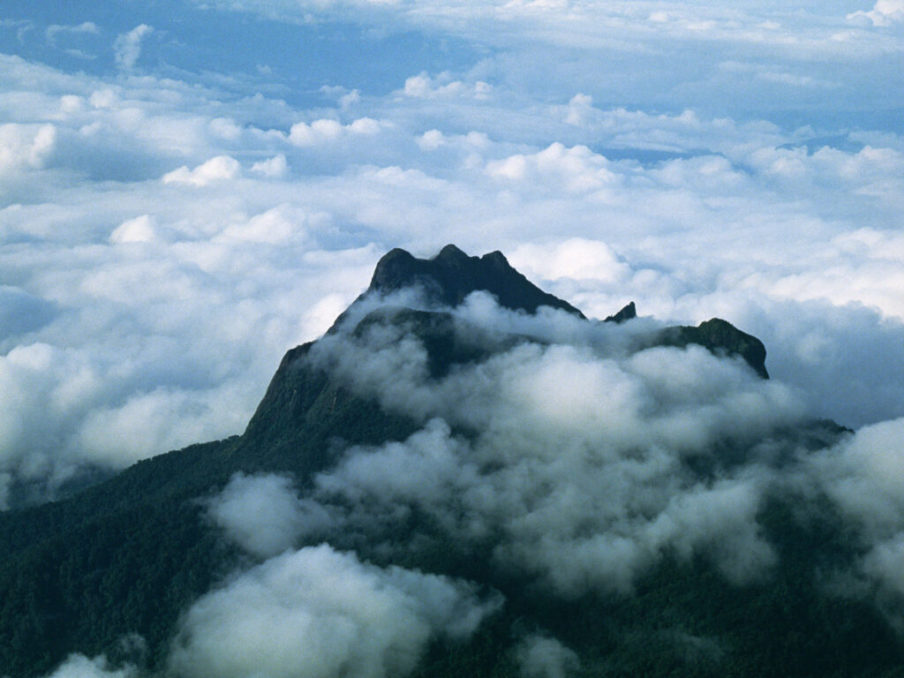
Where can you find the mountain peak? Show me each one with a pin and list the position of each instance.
(450, 253)
(452, 275)
(720, 337)
(628, 312)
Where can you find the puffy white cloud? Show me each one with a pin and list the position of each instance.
(863, 475)
(431, 140)
(80, 666)
(113, 394)
(150, 422)
(25, 147)
(545, 657)
(556, 168)
(219, 168)
(225, 128)
(575, 258)
(326, 130)
(425, 87)
(884, 564)
(275, 167)
(578, 451)
(263, 514)
(322, 613)
(842, 359)
(281, 225)
(139, 229)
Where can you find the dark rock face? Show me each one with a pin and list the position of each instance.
(721, 338)
(452, 275)
(627, 313)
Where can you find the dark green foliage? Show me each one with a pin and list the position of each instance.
(303, 417)
(684, 619)
(130, 554)
(125, 556)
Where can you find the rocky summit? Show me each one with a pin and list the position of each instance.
(452, 275)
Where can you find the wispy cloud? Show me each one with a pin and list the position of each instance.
(127, 47)
(334, 615)
(86, 27)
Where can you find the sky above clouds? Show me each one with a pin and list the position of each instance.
(188, 189)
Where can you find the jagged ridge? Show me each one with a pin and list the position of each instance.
(449, 277)
(452, 275)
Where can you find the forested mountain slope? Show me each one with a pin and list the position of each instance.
(527, 492)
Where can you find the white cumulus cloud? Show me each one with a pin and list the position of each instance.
(578, 457)
(263, 514)
(80, 666)
(220, 168)
(545, 657)
(321, 613)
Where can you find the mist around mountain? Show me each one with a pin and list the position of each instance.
(466, 476)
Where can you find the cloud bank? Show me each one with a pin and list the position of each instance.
(862, 476)
(545, 657)
(79, 666)
(580, 459)
(263, 515)
(321, 613)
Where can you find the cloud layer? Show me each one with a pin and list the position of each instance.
(573, 458)
(79, 666)
(263, 515)
(580, 459)
(321, 613)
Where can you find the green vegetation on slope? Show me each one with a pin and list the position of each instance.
(130, 555)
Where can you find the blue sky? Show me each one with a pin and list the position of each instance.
(187, 189)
